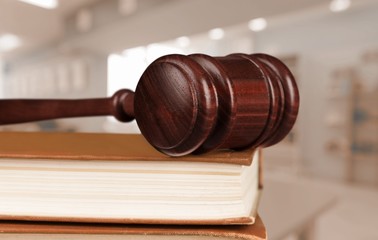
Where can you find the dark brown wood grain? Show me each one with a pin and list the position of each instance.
(191, 104)
(28, 110)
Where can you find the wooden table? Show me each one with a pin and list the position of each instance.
(288, 207)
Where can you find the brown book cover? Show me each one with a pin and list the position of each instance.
(115, 147)
(38, 230)
(99, 146)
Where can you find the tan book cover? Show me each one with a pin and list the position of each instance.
(99, 146)
(40, 230)
(114, 147)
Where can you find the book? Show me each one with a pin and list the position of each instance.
(120, 178)
(59, 231)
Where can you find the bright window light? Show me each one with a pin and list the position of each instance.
(48, 4)
(183, 41)
(119, 76)
(257, 24)
(216, 34)
(9, 42)
(137, 53)
(124, 72)
(156, 50)
(339, 5)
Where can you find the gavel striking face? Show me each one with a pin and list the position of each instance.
(191, 104)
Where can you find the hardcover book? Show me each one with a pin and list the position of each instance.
(118, 178)
(38, 230)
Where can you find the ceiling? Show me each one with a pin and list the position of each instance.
(34, 25)
(42, 27)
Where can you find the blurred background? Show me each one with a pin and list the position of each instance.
(91, 48)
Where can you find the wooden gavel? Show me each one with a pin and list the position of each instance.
(190, 104)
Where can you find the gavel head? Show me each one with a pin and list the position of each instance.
(197, 103)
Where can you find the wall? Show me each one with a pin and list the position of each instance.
(172, 19)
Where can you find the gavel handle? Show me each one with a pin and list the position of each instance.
(120, 105)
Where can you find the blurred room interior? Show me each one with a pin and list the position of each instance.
(91, 48)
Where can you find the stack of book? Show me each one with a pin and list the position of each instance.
(102, 186)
